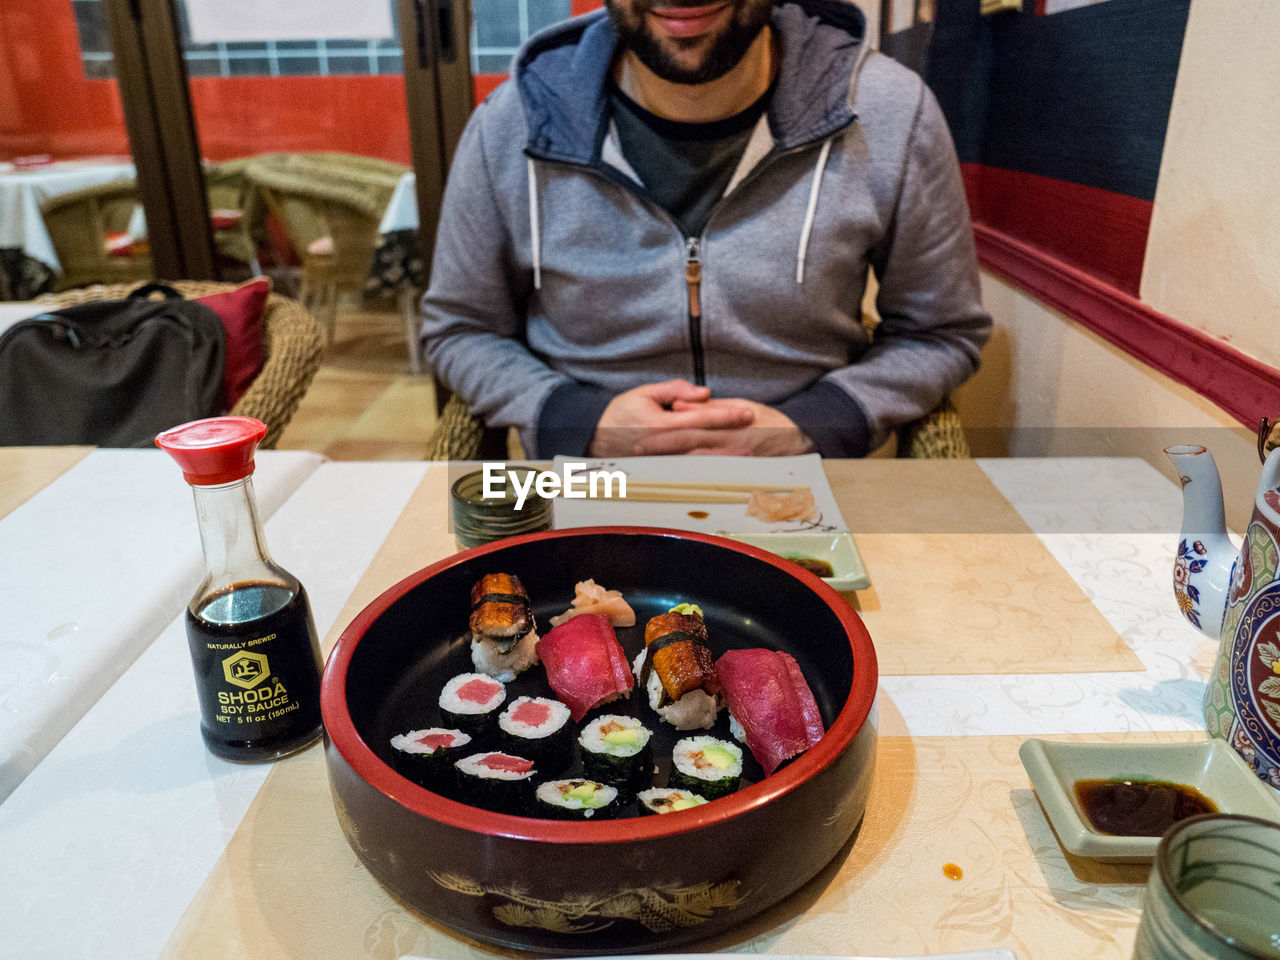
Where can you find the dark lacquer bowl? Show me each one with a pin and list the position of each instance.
(616, 886)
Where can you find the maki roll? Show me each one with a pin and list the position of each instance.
(706, 766)
(427, 756)
(470, 702)
(675, 669)
(667, 800)
(503, 635)
(538, 728)
(615, 750)
(575, 800)
(496, 781)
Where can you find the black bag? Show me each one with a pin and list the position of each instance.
(112, 373)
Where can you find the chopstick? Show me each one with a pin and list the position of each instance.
(660, 491)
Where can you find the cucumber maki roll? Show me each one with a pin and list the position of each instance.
(615, 750)
(470, 702)
(427, 756)
(667, 800)
(575, 800)
(496, 781)
(706, 766)
(538, 728)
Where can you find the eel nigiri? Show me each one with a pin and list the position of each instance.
(503, 634)
(585, 663)
(769, 697)
(677, 652)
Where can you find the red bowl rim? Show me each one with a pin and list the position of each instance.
(369, 767)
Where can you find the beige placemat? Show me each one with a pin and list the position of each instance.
(25, 471)
(288, 885)
(959, 583)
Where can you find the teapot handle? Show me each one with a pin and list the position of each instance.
(1268, 437)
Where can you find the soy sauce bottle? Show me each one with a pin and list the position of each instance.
(249, 627)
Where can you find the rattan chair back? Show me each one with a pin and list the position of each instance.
(78, 223)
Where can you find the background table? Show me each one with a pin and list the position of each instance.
(165, 851)
(22, 230)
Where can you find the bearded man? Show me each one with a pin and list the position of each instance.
(656, 238)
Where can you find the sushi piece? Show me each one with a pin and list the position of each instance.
(771, 702)
(590, 597)
(706, 766)
(575, 800)
(539, 729)
(585, 663)
(470, 702)
(504, 637)
(615, 750)
(496, 781)
(667, 800)
(676, 669)
(427, 756)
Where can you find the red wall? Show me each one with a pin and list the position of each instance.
(47, 105)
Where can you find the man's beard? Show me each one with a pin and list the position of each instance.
(726, 51)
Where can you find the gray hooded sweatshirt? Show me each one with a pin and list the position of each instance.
(558, 283)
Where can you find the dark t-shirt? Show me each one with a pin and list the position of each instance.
(684, 166)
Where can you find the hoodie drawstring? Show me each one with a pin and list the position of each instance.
(534, 233)
(812, 210)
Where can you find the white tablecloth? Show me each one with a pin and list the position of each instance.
(128, 815)
(23, 191)
(92, 569)
(402, 209)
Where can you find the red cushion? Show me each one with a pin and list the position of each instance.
(241, 313)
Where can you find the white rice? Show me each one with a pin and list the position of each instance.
(666, 797)
(558, 718)
(489, 658)
(474, 766)
(735, 729)
(449, 699)
(696, 710)
(593, 740)
(410, 742)
(688, 752)
(554, 792)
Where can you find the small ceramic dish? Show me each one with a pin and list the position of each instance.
(837, 549)
(1210, 766)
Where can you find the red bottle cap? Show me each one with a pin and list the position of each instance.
(213, 451)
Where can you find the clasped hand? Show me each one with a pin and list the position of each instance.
(676, 417)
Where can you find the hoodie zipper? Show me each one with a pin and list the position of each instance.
(693, 280)
(692, 245)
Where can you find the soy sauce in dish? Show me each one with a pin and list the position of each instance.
(819, 568)
(1139, 808)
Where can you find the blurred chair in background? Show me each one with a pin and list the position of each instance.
(90, 233)
(235, 212)
(330, 207)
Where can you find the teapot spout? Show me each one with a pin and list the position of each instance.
(1202, 568)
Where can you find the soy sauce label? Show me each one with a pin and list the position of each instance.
(258, 680)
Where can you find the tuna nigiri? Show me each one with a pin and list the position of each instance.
(769, 697)
(585, 663)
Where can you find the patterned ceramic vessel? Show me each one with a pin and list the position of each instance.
(1234, 596)
(624, 885)
(1214, 892)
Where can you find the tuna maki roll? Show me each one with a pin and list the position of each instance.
(667, 800)
(706, 766)
(470, 702)
(615, 750)
(538, 728)
(427, 756)
(496, 781)
(576, 800)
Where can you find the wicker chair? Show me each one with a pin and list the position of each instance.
(460, 436)
(292, 346)
(232, 197)
(79, 222)
(331, 218)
